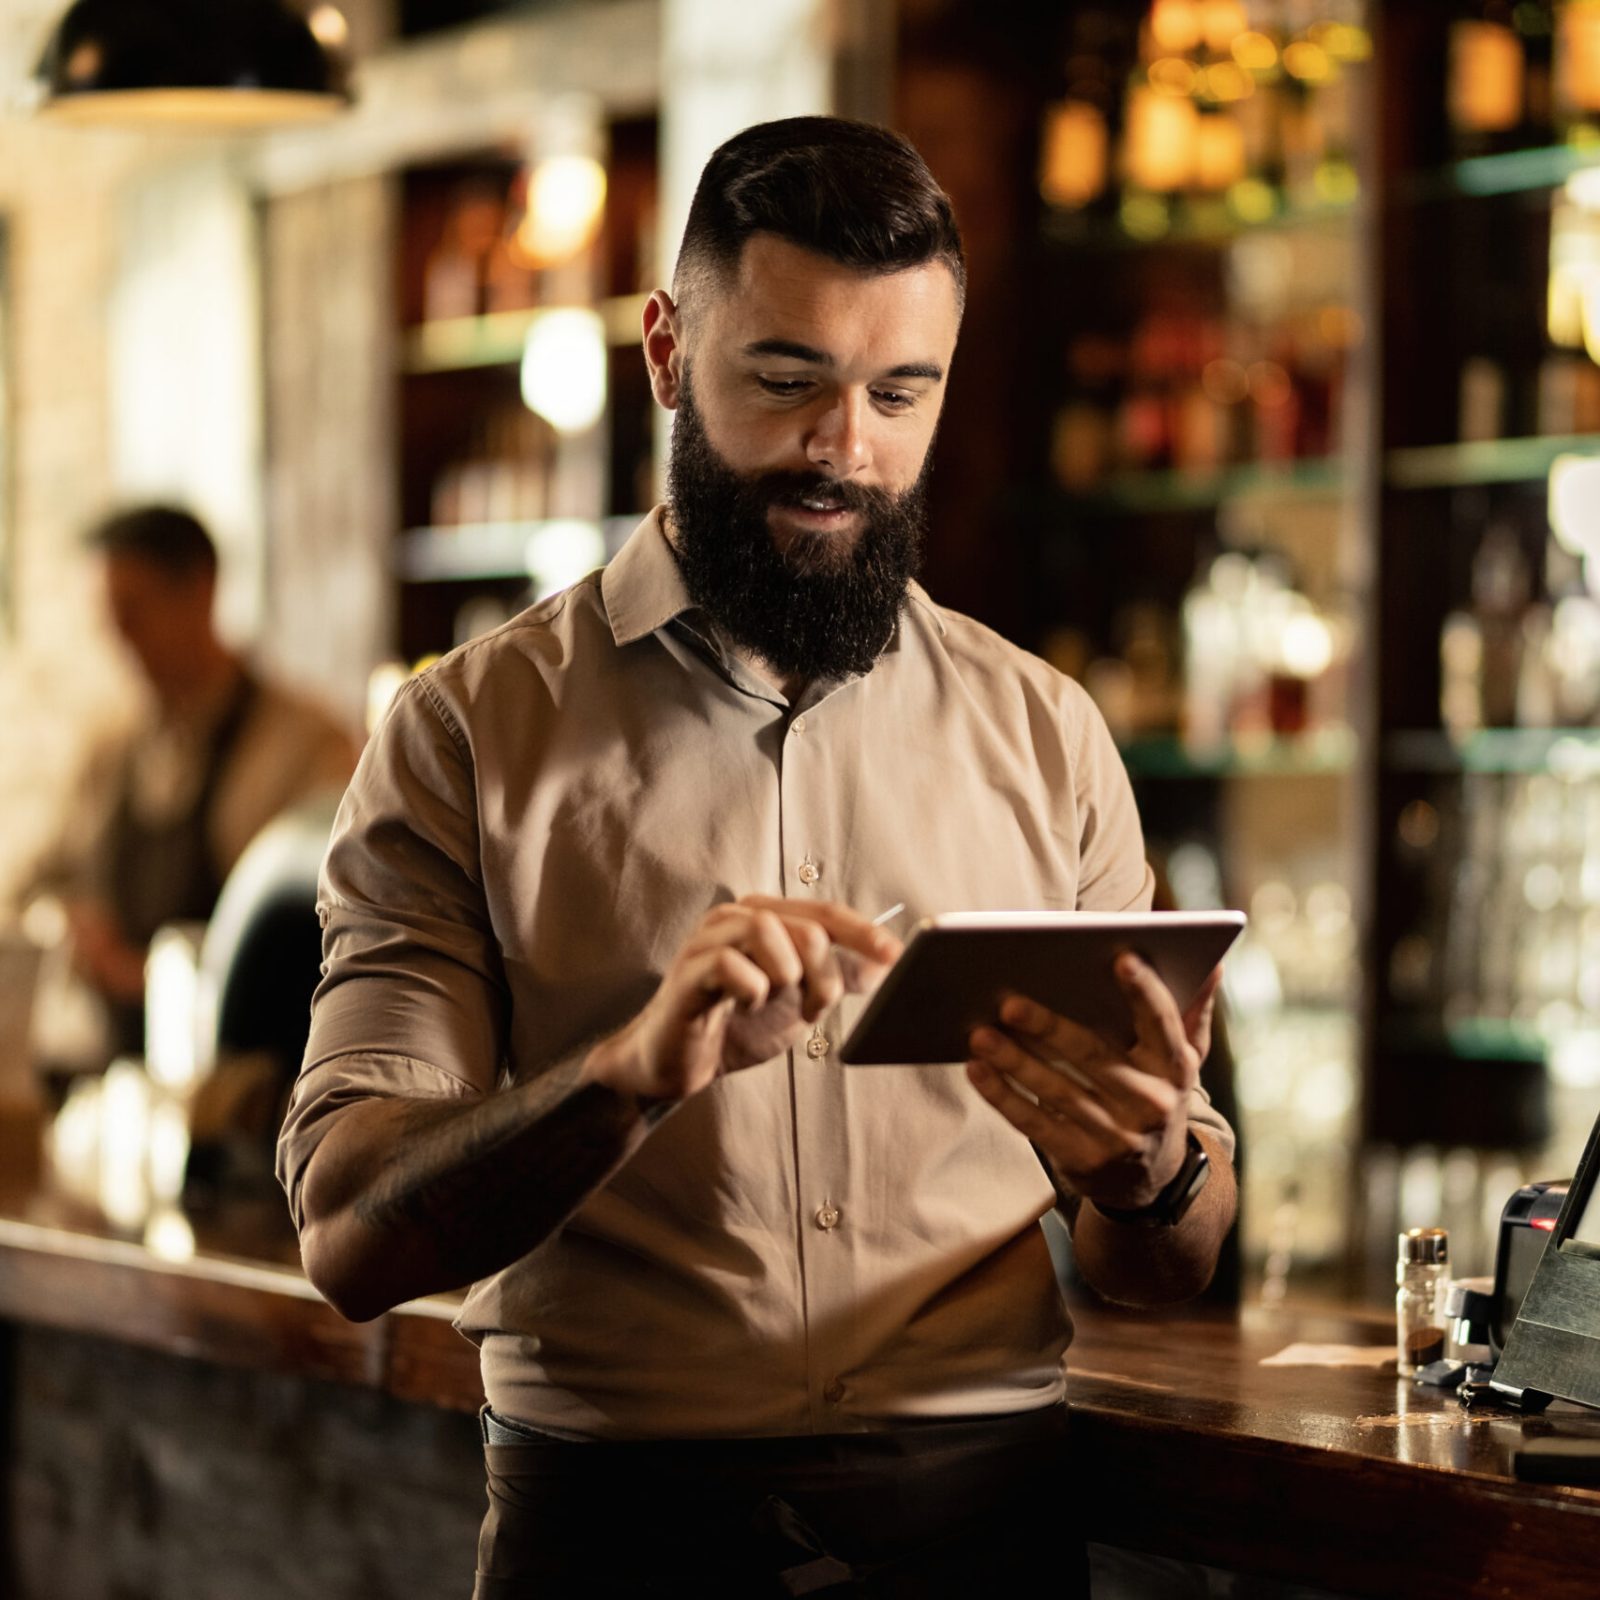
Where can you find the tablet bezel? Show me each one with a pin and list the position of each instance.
(957, 967)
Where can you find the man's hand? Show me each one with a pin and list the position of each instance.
(1111, 1121)
(743, 988)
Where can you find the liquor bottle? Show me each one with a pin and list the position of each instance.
(510, 280)
(1075, 139)
(1577, 71)
(1486, 98)
(1500, 594)
(1535, 23)
(453, 276)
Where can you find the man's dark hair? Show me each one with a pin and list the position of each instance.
(850, 191)
(168, 538)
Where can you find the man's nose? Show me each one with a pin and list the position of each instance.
(839, 442)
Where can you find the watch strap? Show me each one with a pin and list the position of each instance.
(1172, 1204)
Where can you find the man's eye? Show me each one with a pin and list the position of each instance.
(784, 386)
(894, 399)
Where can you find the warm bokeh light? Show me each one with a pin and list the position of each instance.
(1578, 56)
(1573, 503)
(1227, 81)
(1175, 25)
(1255, 52)
(1221, 22)
(383, 684)
(1159, 150)
(328, 25)
(1173, 75)
(566, 201)
(1219, 156)
(564, 368)
(1486, 76)
(560, 552)
(1075, 154)
(1308, 62)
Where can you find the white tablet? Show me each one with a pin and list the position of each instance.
(956, 969)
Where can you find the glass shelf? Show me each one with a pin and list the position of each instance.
(1445, 466)
(460, 344)
(488, 552)
(1513, 172)
(1202, 224)
(1470, 1039)
(1325, 752)
(1180, 489)
(1571, 752)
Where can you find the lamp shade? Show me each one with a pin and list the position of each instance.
(206, 63)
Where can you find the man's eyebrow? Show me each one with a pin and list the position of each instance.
(790, 349)
(794, 351)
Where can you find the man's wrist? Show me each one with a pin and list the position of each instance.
(1171, 1205)
(608, 1069)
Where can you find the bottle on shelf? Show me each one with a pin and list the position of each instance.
(1577, 71)
(1486, 88)
(453, 278)
(1535, 22)
(510, 279)
(502, 477)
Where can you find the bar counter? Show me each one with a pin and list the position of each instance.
(1343, 1477)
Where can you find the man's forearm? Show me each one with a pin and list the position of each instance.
(408, 1197)
(1151, 1266)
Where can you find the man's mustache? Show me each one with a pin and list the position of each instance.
(793, 488)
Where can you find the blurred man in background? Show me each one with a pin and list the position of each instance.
(167, 810)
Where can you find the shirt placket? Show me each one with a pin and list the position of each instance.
(820, 1153)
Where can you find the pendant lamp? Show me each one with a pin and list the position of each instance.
(214, 64)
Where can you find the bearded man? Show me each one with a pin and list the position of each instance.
(599, 911)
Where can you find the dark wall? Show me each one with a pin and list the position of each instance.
(428, 16)
(136, 1476)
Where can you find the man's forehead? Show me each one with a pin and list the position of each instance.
(781, 292)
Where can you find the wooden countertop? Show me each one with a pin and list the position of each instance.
(1349, 1478)
(239, 1299)
(1344, 1477)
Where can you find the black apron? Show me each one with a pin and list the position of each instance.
(163, 872)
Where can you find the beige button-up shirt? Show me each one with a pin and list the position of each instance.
(541, 821)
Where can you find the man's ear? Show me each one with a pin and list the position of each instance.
(663, 348)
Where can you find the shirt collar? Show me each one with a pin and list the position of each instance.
(643, 588)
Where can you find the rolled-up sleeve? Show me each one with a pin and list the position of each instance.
(412, 1000)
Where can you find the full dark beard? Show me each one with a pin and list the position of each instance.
(821, 607)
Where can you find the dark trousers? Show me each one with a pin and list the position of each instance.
(927, 1512)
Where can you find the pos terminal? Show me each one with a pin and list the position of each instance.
(1553, 1348)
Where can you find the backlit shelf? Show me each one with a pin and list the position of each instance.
(1198, 223)
(1188, 489)
(1573, 752)
(1470, 1039)
(489, 552)
(1512, 172)
(1324, 752)
(1446, 466)
(460, 344)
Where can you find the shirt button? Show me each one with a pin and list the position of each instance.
(817, 1046)
(809, 872)
(827, 1218)
(834, 1393)
(798, 725)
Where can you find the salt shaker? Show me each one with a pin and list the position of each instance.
(1420, 1271)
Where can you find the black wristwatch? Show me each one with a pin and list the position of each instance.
(1172, 1204)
